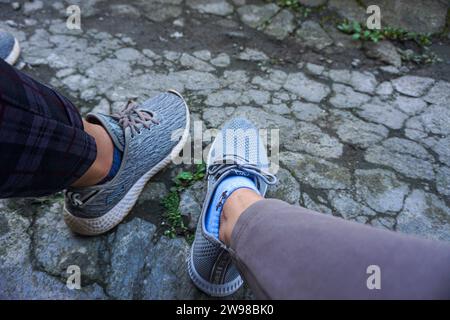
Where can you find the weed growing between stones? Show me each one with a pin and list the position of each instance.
(359, 31)
(174, 223)
(426, 57)
(295, 6)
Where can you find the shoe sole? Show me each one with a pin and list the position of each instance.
(96, 226)
(14, 55)
(214, 290)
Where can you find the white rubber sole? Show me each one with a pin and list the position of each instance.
(14, 55)
(214, 290)
(96, 226)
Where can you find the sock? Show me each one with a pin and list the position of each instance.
(221, 194)
(117, 161)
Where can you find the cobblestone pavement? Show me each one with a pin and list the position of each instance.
(359, 139)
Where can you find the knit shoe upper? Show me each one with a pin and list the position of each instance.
(149, 135)
(237, 150)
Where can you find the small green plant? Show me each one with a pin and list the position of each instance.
(360, 32)
(292, 4)
(172, 215)
(426, 57)
(186, 178)
(399, 34)
(295, 6)
(173, 220)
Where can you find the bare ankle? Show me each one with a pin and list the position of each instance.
(235, 205)
(102, 164)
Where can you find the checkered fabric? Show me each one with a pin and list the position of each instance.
(43, 147)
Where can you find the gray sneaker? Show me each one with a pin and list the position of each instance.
(237, 150)
(9, 47)
(149, 135)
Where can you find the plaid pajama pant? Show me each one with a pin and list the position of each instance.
(43, 147)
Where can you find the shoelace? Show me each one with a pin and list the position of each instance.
(131, 117)
(74, 198)
(220, 168)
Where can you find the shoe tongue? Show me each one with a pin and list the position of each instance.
(239, 172)
(111, 126)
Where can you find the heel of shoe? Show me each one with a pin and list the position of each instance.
(214, 290)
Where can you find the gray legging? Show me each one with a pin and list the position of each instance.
(288, 252)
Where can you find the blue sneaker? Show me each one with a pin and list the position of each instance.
(149, 136)
(9, 47)
(236, 151)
